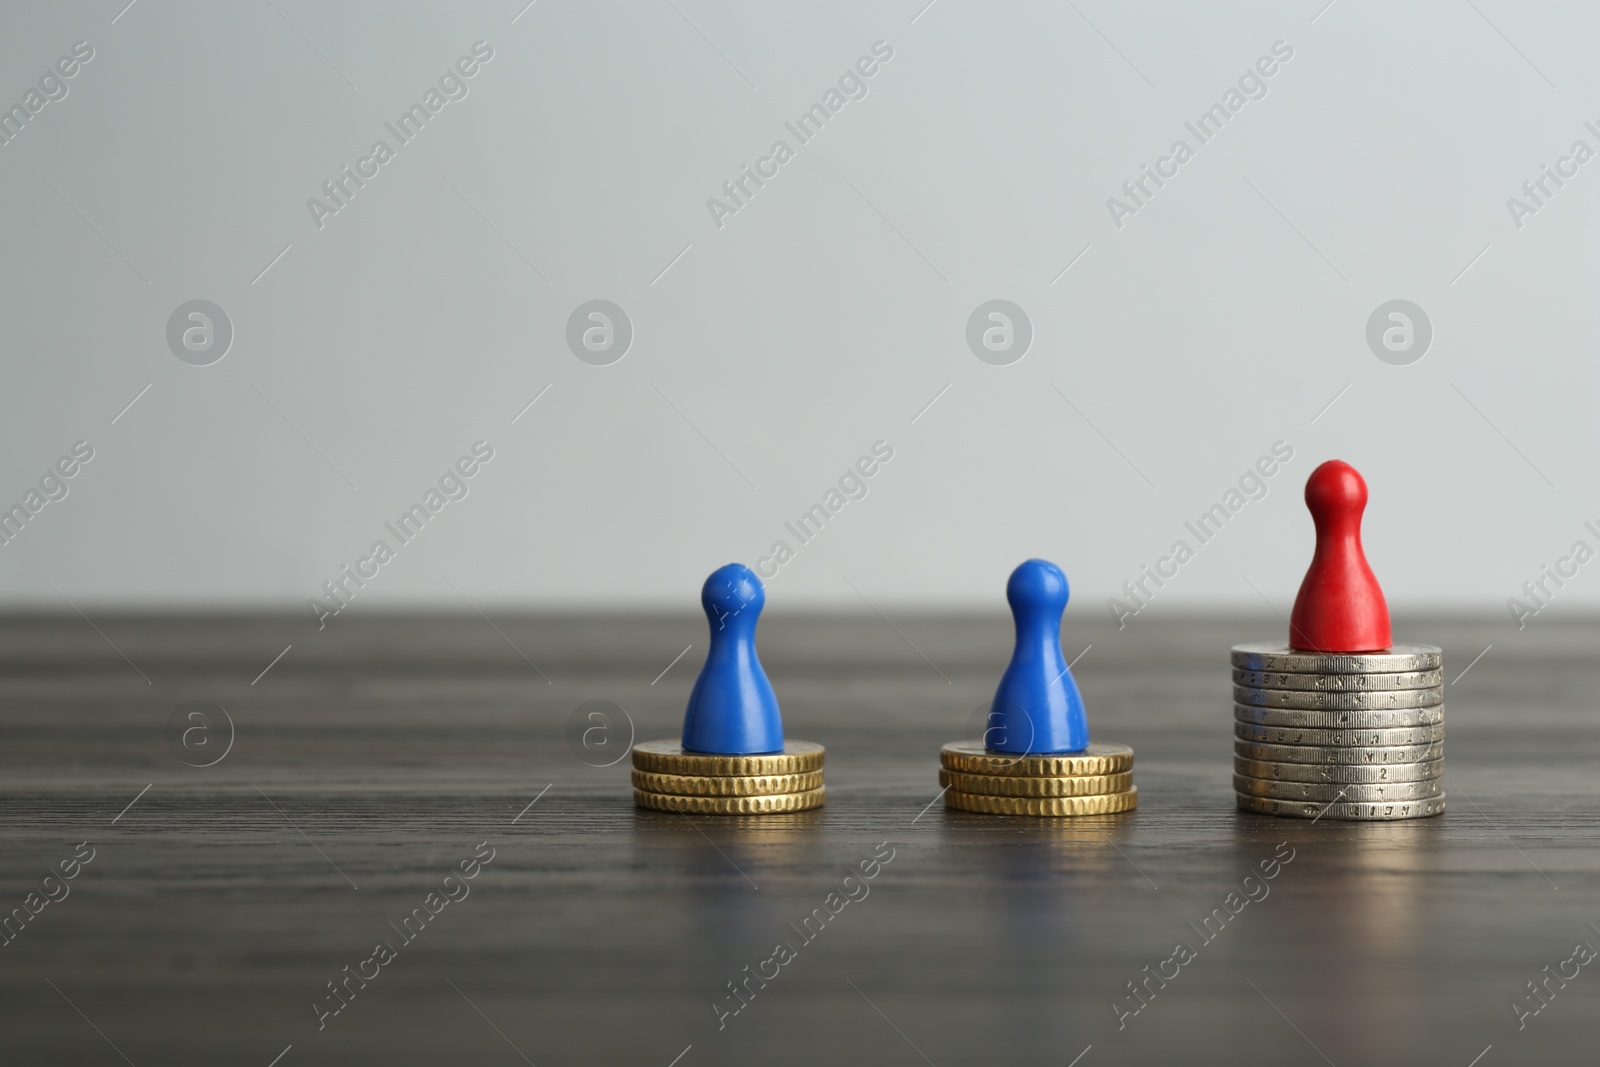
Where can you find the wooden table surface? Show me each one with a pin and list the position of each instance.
(376, 756)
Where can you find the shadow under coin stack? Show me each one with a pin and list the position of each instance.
(1036, 757)
(667, 778)
(1339, 736)
(733, 758)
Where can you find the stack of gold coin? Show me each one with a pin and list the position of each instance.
(667, 778)
(1354, 736)
(1096, 781)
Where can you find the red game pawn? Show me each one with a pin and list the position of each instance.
(1340, 607)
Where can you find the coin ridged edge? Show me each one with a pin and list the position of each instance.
(726, 785)
(1337, 773)
(1260, 696)
(762, 805)
(1314, 792)
(1337, 755)
(1105, 804)
(1339, 719)
(1263, 656)
(1021, 785)
(1340, 737)
(1365, 682)
(1366, 811)
(1101, 757)
(667, 757)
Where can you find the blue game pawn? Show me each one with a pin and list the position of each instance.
(1037, 708)
(733, 758)
(733, 710)
(1035, 758)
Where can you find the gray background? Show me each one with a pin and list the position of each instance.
(826, 315)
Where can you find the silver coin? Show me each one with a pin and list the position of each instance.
(1337, 756)
(1339, 720)
(1320, 700)
(1341, 811)
(1267, 656)
(1339, 683)
(1311, 737)
(1325, 792)
(1336, 774)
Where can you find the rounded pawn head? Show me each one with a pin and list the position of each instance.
(1340, 606)
(1038, 586)
(730, 591)
(1335, 489)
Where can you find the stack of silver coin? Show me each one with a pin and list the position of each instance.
(1322, 735)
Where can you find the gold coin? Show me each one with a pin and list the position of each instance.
(1100, 805)
(1101, 757)
(1022, 785)
(668, 757)
(732, 785)
(763, 805)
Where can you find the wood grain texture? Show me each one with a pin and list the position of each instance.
(379, 753)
